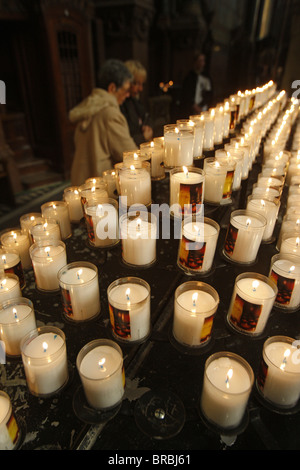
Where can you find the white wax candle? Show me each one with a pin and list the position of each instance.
(193, 317)
(215, 176)
(110, 177)
(102, 377)
(135, 185)
(9, 429)
(129, 306)
(155, 153)
(59, 212)
(47, 260)
(290, 223)
(44, 230)
(18, 241)
(102, 223)
(293, 170)
(243, 238)
(16, 320)
(178, 148)
(225, 392)
(73, 200)
(27, 219)
(286, 275)
(198, 136)
(269, 209)
(45, 363)
(251, 304)
(197, 246)
(80, 292)
(279, 376)
(9, 287)
(10, 262)
(209, 132)
(138, 241)
(269, 182)
(187, 188)
(290, 243)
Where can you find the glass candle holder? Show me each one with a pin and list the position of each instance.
(48, 257)
(270, 182)
(178, 145)
(290, 223)
(18, 240)
(195, 305)
(100, 367)
(44, 229)
(72, 198)
(10, 432)
(285, 273)
(129, 309)
(9, 286)
(79, 286)
(187, 189)
(198, 136)
(251, 303)
(154, 152)
(215, 176)
(110, 177)
(209, 128)
(290, 243)
(135, 186)
(138, 235)
(244, 236)
(268, 207)
(17, 319)
(58, 210)
(102, 222)
(235, 163)
(10, 262)
(93, 190)
(44, 356)
(27, 219)
(278, 377)
(227, 384)
(197, 245)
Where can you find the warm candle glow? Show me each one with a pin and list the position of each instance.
(45, 346)
(287, 352)
(79, 272)
(255, 285)
(128, 294)
(47, 250)
(228, 377)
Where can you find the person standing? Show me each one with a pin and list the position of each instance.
(101, 133)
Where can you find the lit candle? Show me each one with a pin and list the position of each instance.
(9, 428)
(100, 366)
(268, 208)
(44, 357)
(110, 177)
(17, 319)
(244, 236)
(178, 146)
(138, 236)
(18, 241)
(48, 257)
(209, 130)
(251, 303)
(80, 292)
(58, 210)
(129, 308)
(9, 287)
(101, 218)
(187, 188)
(228, 381)
(290, 243)
(154, 151)
(10, 262)
(197, 245)
(198, 136)
(290, 223)
(195, 305)
(44, 229)
(285, 272)
(73, 200)
(135, 185)
(278, 379)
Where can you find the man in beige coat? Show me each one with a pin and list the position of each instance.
(102, 133)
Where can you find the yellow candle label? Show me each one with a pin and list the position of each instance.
(190, 195)
(285, 288)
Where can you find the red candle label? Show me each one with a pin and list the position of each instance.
(230, 240)
(192, 259)
(285, 288)
(190, 195)
(120, 321)
(245, 315)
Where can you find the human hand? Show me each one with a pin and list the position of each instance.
(147, 132)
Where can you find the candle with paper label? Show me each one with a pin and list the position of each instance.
(101, 216)
(48, 257)
(9, 429)
(10, 262)
(278, 378)
(44, 357)
(228, 380)
(18, 240)
(195, 305)
(17, 319)
(197, 245)
(9, 287)
(187, 190)
(129, 309)
(251, 303)
(79, 285)
(285, 272)
(154, 152)
(58, 210)
(138, 236)
(244, 236)
(100, 367)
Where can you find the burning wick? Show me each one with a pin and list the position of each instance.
(194, 298)
(285, 356)
(228, 377)
(127, 294)
(255, 285)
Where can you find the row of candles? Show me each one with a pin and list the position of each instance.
(40, 244)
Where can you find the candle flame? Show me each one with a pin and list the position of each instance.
(3, 283)
(248, 222)
(297, 241)
(194, 298)
(79, 272)
(15, 313)
(262, 202)
(45, 346)
(4, 258)
(132, 167)
(185, 170)
(255, 285)
(228, 377)
(286, 354)
(101, 363)
(128, 294)
(47, 250)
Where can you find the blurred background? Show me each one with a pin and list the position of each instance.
(51, 51)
